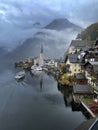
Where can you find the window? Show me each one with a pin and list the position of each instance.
(75, 70)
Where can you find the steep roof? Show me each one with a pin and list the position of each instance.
(92, 54)
(78, 44)
(81, 89)
(80, 76)
(94, 63)
(73, 58)
(94, 66)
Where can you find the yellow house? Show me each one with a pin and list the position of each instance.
(74, 62)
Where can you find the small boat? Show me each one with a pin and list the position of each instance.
(33, 67)
(36, 68)
(20, 75)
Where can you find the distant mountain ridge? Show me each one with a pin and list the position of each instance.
(62, 24)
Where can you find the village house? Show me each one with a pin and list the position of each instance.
(91, 72)
(40, 59)
(82, 89)
(51, 63)
(81, 85)
(78, 44)
(81, 60)
(81, 79)
(74, 61)
(91, 56)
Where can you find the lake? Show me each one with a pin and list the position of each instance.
(35, 103)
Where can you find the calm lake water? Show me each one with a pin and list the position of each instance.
(35, 103)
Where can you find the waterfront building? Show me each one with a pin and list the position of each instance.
(82, 89)
(91, 55)
(40, 59)
(51, 63)
(74, 62)
(81, 85)
(91, 72)
(81, 79)
(77, 45)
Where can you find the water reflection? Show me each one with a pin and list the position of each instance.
(69, 102)
(39, 76)
(67, 94)
(23, 106)
(41, 82)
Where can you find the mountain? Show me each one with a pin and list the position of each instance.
(90, 33)
(54, 44)
(54, 41)
(62, 24)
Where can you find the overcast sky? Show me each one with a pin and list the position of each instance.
(82, 12)
(22, 14)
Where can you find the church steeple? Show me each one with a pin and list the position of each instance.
(41, 58)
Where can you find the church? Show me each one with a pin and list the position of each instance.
(40, 59)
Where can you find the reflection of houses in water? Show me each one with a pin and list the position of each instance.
(79, 107)
(41, 82)
(75, 106)
(67, 93)
(39, 76)
(68, 99)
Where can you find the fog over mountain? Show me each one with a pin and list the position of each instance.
(12, 35)
(18, 18)
(25, 24)
(54, 41)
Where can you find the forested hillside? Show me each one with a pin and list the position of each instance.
(90, 33)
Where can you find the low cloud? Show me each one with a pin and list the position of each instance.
(28, 11)
(54, 43)
(18, 16)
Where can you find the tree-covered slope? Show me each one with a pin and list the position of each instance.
(90, 33)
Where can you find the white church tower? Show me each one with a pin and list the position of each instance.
(41, 57)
